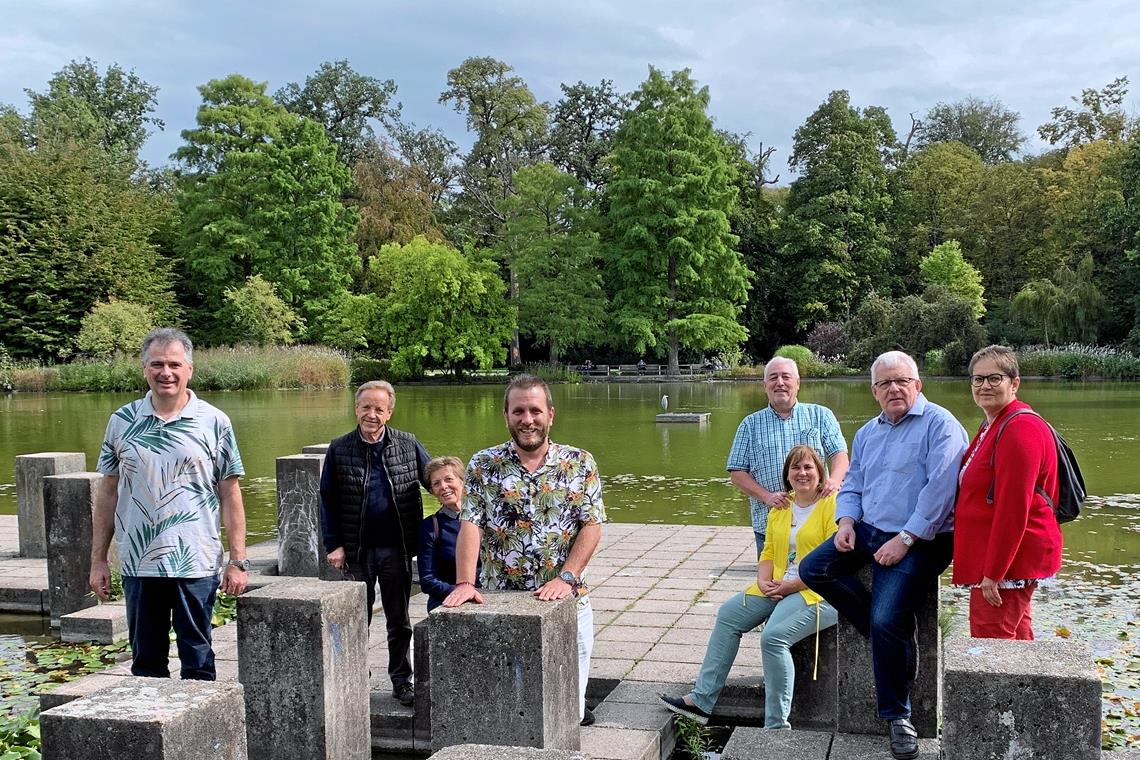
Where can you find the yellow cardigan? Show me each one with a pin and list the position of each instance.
(820, 526)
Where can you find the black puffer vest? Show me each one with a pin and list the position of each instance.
(348, 458)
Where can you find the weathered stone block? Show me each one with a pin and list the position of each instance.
(858, 713)
(149, 719)
(485, 751)
(315, 448)
(517, 658)
(24, 595)
(79, 688)
(815, 700)
(1038, 699)
(31, 469)
(422, 668)
(747, 743)
(299, 547)
(102, 624)
(864, 747)
(303, 659)
(68, 503)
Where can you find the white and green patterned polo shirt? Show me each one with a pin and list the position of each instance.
(167, 521)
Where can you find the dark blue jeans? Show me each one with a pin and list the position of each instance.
(885, 614)
(153, 605)
(387, 568)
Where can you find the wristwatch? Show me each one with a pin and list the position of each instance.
(906, 538)
(241, 564)
(570, 578)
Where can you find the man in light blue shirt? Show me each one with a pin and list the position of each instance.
(895, 511)
(764, 438)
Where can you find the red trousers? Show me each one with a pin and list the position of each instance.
(1012, 620)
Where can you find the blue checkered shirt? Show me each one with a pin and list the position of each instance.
(764, 439)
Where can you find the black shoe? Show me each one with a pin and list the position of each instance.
(681, 707)
(588, 719)
(904, 739)
(405, 694)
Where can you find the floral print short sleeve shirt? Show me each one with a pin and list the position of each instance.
(529, 520)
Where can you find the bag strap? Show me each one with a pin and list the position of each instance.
(997, 437)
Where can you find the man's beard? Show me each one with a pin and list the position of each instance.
(543, 436)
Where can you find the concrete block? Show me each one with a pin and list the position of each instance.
(815, 701)
(698, 417)
(1038, 699)
(23, 595)
(149, 719)
(866, 747)
(302, 657)
(858, 713)
(315, 448)
(31, 469)
(68, 503)
(101, 624)
(392, 724)
(514, 656)
(621, 744)
(299, 548)
(422, 668)
(485, 751)
(77, 689)
(747, 743)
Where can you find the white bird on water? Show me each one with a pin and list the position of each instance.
(664, 403)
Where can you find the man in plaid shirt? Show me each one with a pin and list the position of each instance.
(764, 438)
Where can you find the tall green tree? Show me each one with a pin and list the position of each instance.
(551, 240)
(345, 102)
(262, 197)
(946, 268)
(937, 190)
(1100, 116)
(583, 125)
(676, 277)
(838, 209)
(1008, 220)
(1068, 307)
(988, 127)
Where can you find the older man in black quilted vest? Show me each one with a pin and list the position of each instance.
(371, 510)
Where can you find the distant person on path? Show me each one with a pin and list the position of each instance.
(1006, 536)
(371, 510)
(536, 509)
(641, 366)
(778, 598)
(764, 438)
(440, 531)
(895, 512)
(171, 467)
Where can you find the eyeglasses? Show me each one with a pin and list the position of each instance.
(901, 382)
(993, 380)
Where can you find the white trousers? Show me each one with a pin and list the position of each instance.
(585, 649)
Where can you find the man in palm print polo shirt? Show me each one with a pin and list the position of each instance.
(536, 508)
(170, 465)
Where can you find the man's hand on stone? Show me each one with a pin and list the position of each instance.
(336, 558)
(100, 579)
(554, 589)
(845, 536)
(891, 553)
(234, 580)
(463, 593)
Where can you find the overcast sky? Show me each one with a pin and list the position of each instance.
(768, 64)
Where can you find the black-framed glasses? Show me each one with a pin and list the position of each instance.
(901, 382)
(993, 380)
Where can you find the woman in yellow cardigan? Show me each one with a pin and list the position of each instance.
(778, 596)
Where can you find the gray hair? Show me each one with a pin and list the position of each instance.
(377, 385)
(892, 359)
(784, 359)
(163, 336)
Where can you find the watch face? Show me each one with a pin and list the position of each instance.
(567, 576)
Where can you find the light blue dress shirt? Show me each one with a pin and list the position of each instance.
(904, 475)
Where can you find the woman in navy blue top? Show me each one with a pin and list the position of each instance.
(439, 531)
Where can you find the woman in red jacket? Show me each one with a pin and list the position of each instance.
(1005, 545)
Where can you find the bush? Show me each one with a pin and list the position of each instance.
(116, 327)
(828, 339)
(553, 373)
(935, 362)
(254, 313)
(805, 360)
(7, 367)
(366, 368)
(1076, 361)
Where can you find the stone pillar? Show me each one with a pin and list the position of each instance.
(815, 701)
(858, 713)
(315, 448)
(299, 547)
(68, 503)
(421, 652)
(31, 469)
(303, 659)
(505, 673)
(1039, 699)
(149, 719)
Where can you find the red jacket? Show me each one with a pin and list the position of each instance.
(1017, 537)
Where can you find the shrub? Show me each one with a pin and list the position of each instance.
(935, 362)
(828, 339)
(366, 368)
(254, 313)
(553, 373)
(805, 360)
(1075, 361)
(113, 328)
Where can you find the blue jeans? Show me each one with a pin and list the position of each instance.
(759, 541)
(153, 605)
(885, 614)
(788, 621)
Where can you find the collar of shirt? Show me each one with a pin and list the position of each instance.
(550, 461)
(791, 412)
(917, 409)
(380, 443)
(189, 410)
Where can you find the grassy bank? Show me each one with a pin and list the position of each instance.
(215, 369)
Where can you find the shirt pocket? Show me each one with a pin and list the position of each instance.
(810, 437)
(901, 458)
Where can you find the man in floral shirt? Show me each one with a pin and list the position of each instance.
(538, 506)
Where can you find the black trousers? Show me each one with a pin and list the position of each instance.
(387, 568)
